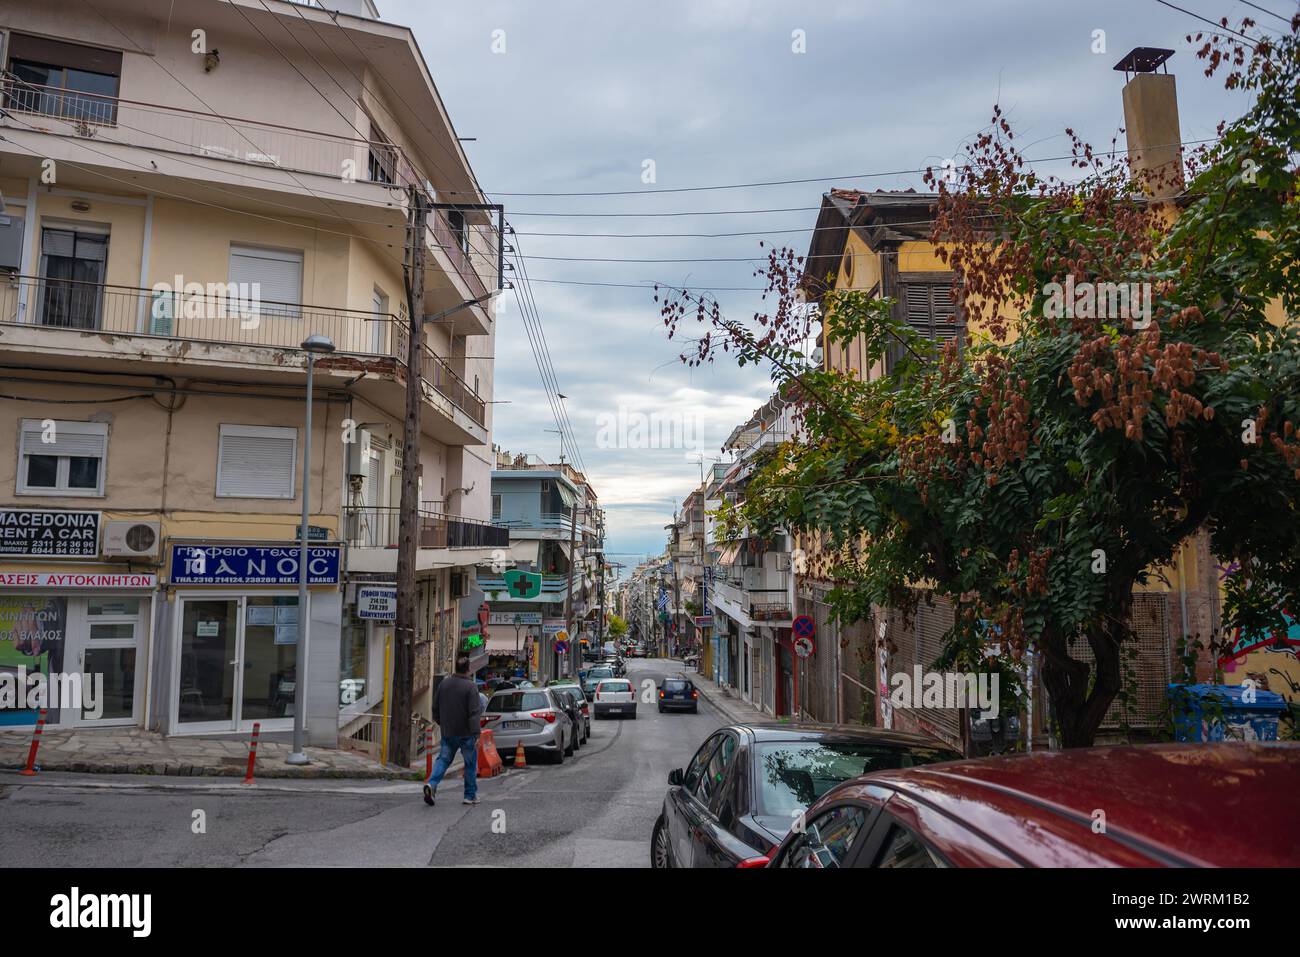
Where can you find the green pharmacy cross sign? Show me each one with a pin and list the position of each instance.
(523, 585)
(473, 642)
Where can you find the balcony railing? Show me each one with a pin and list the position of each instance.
(222, 314)
(380, 527)
(113, 120)
(470, 248)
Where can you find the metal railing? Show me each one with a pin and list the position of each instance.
(470, 249)
(156, 127)
(221, 313)
(371, 526)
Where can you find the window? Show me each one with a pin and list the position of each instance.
(902, 848)
(511, 701)
(695, 771)
(716, 771)
(63, 79)
(459, 228)
(267, 282)
(72, 274)
(496, 508)
(381, 165)
(827, 838)
(256, 461)
(379, 323)
(62, 458)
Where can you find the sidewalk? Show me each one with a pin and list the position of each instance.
(735, 709)
(136, 751)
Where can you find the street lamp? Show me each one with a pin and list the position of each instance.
(315, 345)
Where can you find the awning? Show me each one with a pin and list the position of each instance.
(565, 547)
(728, 554)
(565, 495)
(502, 640)
(525, 551)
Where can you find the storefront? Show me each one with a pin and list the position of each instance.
(87, 633)
(232, 615)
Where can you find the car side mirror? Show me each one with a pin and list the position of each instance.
(675, 777)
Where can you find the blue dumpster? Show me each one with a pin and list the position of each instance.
(1208, 712)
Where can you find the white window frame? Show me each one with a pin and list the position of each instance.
(61, 477)
(259, 431)
(287, 309)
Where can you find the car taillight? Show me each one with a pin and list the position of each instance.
(695, 694)
(548, 715)
(661, 694)
(754, 862)
(584, 709)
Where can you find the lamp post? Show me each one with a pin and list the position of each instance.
(315, 345)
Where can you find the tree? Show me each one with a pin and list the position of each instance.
(617, 627)
(1038, 477)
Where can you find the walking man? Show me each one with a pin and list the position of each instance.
(456, 707)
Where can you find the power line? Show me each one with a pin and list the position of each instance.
(1218, 26)
(818, 179)
(1269, 12)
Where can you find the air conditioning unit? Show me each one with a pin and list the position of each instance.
(132, 539)
(459, 585)
(359, 453)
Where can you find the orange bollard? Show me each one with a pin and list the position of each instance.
(428, 753)
(489, 761)
(252, 752)
(520, 761)
(30, 770)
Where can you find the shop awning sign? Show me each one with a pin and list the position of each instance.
(377, 603)
(49, 533)
(252, 565)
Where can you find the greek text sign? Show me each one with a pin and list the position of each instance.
(377, 602)
(251, 565)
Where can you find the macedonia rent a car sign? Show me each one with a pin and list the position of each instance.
(49, 533)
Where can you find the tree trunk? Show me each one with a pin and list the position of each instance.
(1078, 709)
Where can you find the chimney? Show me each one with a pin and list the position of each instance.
(1151, 122)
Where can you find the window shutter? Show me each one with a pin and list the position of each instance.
(256, 462)
(374, 476)
(68, 440)
(275, 274)
(929, 309)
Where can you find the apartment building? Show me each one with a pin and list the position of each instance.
(556, 530)
(751, 590)
(191, 190)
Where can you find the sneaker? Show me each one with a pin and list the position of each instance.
(473, 800)
(428, 795)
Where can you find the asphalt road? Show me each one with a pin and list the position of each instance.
(595, 810)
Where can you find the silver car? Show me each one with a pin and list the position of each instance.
(533, 717)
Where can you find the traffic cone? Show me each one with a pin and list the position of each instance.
(520, 761)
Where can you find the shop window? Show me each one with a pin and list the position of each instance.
(353, 663)
(62, 458)
(256, 462)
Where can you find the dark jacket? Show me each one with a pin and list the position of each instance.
(456, 706)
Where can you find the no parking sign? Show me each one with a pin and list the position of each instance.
(804, 630)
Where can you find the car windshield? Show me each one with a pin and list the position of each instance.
(676, 684)
(794, 774)
(517, 701)
(607, 686)
(600, 673)
(572, 689)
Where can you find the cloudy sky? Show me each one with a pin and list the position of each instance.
(574, 97)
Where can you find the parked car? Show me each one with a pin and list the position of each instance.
(618, 664)
(733, 804)
(1165, 805)
(584, 703)
(533, 716)
(614, 696)
(569, 702)
(594, 676)
(678, 694)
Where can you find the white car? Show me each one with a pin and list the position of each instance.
(614, 696)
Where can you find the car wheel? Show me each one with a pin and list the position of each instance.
(660, 854)
(634, 714)
(573, 744)
(557, 757)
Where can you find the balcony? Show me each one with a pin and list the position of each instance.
(466, 255)
(216, 139)
(373, 534)
(171, 321)
(758, 595)
(547, 522)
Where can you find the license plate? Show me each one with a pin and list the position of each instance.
(615, 710)
(505, 725)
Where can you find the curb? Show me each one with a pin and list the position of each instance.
(195, 771)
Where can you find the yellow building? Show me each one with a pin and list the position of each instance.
(183, 208)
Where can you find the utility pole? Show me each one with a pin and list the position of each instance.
(568, 591)
(399, 718)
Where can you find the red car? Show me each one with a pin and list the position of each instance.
(1163, 805)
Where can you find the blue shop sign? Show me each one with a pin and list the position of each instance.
(252, 565)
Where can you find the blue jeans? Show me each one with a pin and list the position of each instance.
(468, 748)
